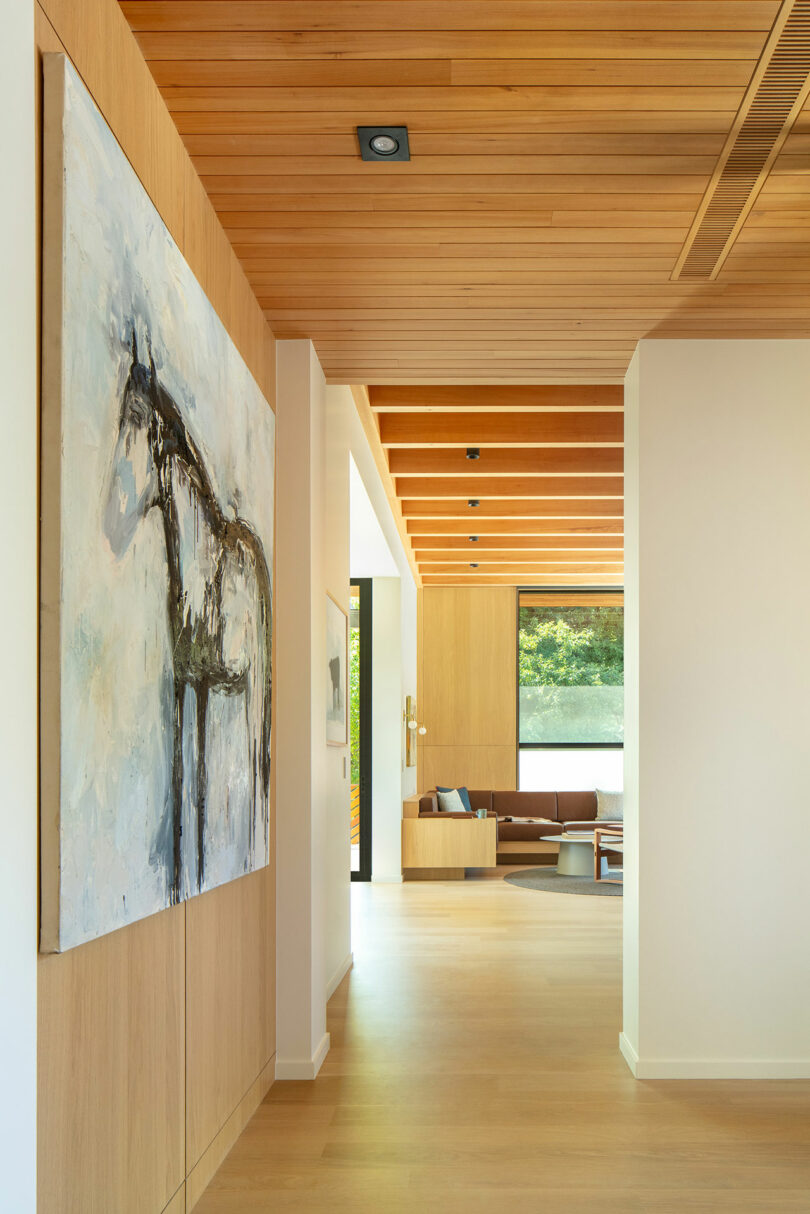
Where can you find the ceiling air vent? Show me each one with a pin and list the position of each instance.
(778, 90)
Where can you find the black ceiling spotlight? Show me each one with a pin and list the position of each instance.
(473, 501)
(384, 142)
(473, 453)
(473, 539)
(473, 565)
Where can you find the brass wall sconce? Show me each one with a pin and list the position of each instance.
(412, 730)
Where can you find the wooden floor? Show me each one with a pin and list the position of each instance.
(474, 1067)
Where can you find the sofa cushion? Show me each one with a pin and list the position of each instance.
(576, 806)
(525, 804)
(451, 802)
(480, 798)
(462, 792)
(523, 832)
(609, 806)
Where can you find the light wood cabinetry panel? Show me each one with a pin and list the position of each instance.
(177, 1205)
(456, 843)
(230, 1001)
(475, 766)
(202, 1172)
(131, 1093)
(467, 696)
(111, 1073)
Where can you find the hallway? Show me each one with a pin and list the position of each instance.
(474, 1067)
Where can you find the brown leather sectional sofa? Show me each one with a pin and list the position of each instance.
(517, 841)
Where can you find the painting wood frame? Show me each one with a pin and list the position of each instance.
(229, 472)
(343, 740)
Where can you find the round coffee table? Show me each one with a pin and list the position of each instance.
(576, 855)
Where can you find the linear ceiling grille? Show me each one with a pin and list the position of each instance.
(774, 98)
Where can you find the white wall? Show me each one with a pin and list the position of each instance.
(18, 542)
(393, 662)
(364, 460)
(717, 962)
(387, 733)
(317, 427)
(312, 788)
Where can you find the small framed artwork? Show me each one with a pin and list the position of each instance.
(337, 649)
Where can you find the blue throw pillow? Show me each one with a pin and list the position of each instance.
(462, 792)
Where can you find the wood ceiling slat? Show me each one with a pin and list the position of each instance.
(344, 144)
(511, 45)
(438, 73)
(377, 102)
(401, 184)
(522, 167)
(387, 15)
(484, 123)
(620, 209)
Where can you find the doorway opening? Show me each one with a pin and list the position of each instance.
(360, 709)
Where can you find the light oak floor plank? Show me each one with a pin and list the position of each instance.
(474, 1067)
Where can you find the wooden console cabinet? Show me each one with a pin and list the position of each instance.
(440, 851)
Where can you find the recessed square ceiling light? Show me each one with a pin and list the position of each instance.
(384, 142)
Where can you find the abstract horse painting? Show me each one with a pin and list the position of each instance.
(157, 542)
(217, 594)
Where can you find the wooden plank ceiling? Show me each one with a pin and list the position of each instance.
(560, 149)
(541, 501)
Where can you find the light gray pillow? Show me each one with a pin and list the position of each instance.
(609, 806)
(451, 802)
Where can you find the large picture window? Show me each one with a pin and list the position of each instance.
(571, 669)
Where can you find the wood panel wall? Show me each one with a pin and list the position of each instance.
(467, 686)
(157, 1041)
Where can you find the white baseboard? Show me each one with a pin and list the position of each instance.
(338, 976)
(722, 1068)
(712, 1068)
(303, 1068)
(391, 879)
(629, 1054)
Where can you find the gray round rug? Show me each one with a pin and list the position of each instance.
(550, 882)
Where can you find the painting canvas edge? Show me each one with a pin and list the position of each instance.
(50, 714)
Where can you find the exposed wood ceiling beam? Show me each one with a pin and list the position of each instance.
(471, 486)
(516, 526)
(534, 507)
(508, 461)
(501, 429)
(588, 545)
(553, 398)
